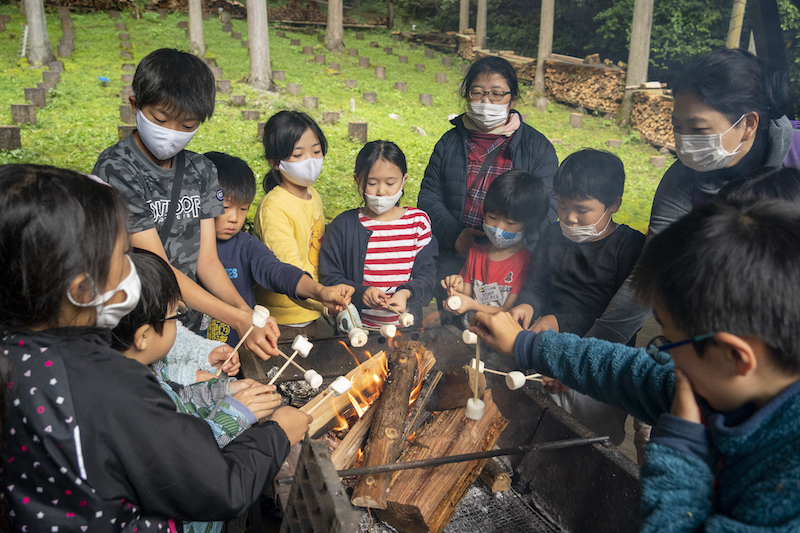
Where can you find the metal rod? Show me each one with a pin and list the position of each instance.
(448, 459)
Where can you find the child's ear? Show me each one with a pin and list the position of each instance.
(740, 350)
(142, 336)
(615, 206)
(79, 289)
(132, 100)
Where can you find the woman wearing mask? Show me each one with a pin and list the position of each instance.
(487, 140)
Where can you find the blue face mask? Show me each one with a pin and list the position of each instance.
(501, 238)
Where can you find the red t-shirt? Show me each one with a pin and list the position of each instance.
(509, 275)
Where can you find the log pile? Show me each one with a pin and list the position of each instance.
(236, 9)
(294, 11)
(107, 5)
(593, 87)
(652, 118)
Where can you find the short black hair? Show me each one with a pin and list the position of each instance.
(177, 80)
(735, 82)
(588, 174)
(236, 178)
(160, 290)
(281, 133)
(764, 183)
(518, 195)
(491, 65)
(731, 268)
(371, 153)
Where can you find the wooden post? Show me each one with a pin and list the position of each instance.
(429, 53)
(113, 14)
(295, 42)
(246, 43)
(227, 28)
(447, 61)
(541, 104)
(238, 100)
(576, 120)
(280, 34)
(124, 36)
(614, 143)
(251, 114)
(125, 45)
(545, 44)
(387, 51)
(310, 30)
(125, 95)
(426, 99)
(735, 27)
(64, 50)
(120, 26)
(371, 97)
(260, 129)
(330, 117)
(658, 161)
(279, 75)
(217, 72)
(224, 86)
(353, 52)
(400, 86)
(334, 66)
(350, 84)
(236, 35)
(10, 138)
(308, 50)
(162, 13)
(36, 96)
(639, 54)
(294, 88)
(50, 77)
(402, 59)
(463, 16)
(390, 15)
(126, 115)
(441, 77)
(363, 62)
(480, 25)
(420, 67)
(360, 35)
(123, 130)
(357, 131)
(127, 79)
(125, 54)
(311, 102)
(319, 59)
(56, 66)
(128, 67)
(380, 73)
(183, 24)
(334, 32)
(385, 440)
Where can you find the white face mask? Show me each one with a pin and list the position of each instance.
(108, 316)
(704, 153)
(162, 142)
(381, 204)
(487, 116)
(302, 173)
(581, 234)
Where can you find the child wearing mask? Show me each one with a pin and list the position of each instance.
(578, 265)
(385, 251)
(494, 274)
(289, 219)
(173, 194)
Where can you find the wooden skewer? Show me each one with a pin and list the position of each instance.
(352, 320)
(477, 366)
(238, 345)
(325, 394)
(495, 371)
(281, 369)
(393, 310)
(534, 377)
(300, 368)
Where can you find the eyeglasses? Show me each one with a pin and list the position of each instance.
(495, 95)
(659, 347)
(181, 314)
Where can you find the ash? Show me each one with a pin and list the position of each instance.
(295, 393)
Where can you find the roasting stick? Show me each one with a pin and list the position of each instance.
(300, 346)
(475, 406)
(477, 366)
(339, 386)
(260, 317)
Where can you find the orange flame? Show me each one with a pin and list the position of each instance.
(357, 407)
(341, 423)
(392, 342)
(346, 347)
(418, 386)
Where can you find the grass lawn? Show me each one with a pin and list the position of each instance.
(81, 116)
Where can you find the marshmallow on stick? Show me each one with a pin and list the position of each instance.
(339, 386)
(388, 331)
(358, 337)
(260, 317)
(474, 405)
(300, 346)
(454, 303)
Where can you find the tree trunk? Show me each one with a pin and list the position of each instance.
(390, 16)
(258, 30)
(463, 16)
(639, 54)
(545, 43)
(735, 28)
(197, 44)
(334, 35)
(480, 25)
(38, 40)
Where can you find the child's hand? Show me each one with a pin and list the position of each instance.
(398, 301)
(499, 330)
(262, 342)
(467, 304)
(466, 240)
(335, 298)
(262, 400)
(553, 386)
(453, 284)
(684, 405)
(374, 298)
(202, 375)
(523, 313)
(293, 422)
(544, 323)
(220, 354)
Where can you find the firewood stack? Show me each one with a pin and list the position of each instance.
(117, 5)
(466, 44)
(590, 86)
(652, 118)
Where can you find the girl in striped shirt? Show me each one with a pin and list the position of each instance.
(385, 251)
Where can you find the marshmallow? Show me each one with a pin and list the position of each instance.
(313, 379)
(515, 380)
(358, 337)
(406, 319)
(475, 409)
(472, 365)
(469, 338)
(260, 316)
(302, 346)
(388, 331)
(339, 386)
(454, 303)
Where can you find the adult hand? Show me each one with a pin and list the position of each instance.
(262, 400)
(523, 313)
(466, 240)
(499, 330)
(220, 354)
(684, 405)
(544, 323)
(294, 422)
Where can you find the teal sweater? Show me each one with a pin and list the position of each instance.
(739, 472)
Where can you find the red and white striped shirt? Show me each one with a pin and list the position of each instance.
(392, 248)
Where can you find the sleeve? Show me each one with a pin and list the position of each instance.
(332, 259)
(274, 228)
(536, 290)
(124, 177)
(624, 377)
(521, 269)
(628, 256)
(268, 271)
(423, 273)
(210, 190)
(188, 355)
(431, 198)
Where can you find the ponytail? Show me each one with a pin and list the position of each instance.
(271, 179)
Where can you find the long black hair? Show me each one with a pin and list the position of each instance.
(281, 133)
(370, 154)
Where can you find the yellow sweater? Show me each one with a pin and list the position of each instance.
(293, 229)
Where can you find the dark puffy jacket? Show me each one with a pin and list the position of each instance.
(443, 192)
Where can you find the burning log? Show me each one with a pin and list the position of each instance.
(424, 500)
(346, 453)
(456, 388)
(385, 440)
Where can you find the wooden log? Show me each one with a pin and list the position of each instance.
(127, 79)
(334, 66)
(308, 50)
(294, 88)
(125, 54)
(426, 99)
(658, 161)
(280, 34)
(386, 438)
(246, 43)
(387, 51)
(347, 452)
(56, 66)
(125, 45)
(37, 96)
(63, 12)
(380, 73)
(224, 86)
(455, 388)
(113, 14)
(183, 24)
(357, 131)
(251, 114)
(162, 13)
(429, 53)
(353, 52)
(370, 97)
(126, 115)
(425, 499)
(363, 62)
(402, 59)
(413, 46)
(67, 24)
(236, 35)
(310, 31)
(330, 117)
(217, 72)
(260, 130)
(123, 130)
(360, 35)
(441, 77)
(350, 84)
(420, 67)
(319, 59)
(68, 34)
(128, 67)
(400, 86)
(50, 77)
(495, 476)
(295, 42)
(10, 138)
(447, 61)
(227, 28)
(279, 75)
(311, 102)
(614, 143)
(238, 100)
(124, 36)
(576, 120)
(64, 50)
(23, 113)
